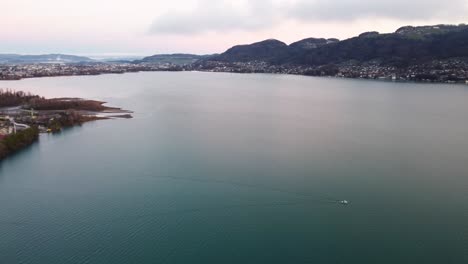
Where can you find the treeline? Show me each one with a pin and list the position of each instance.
(69, 119)
(67, 104)
(18, 141)
(10, 98)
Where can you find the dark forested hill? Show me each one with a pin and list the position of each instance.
(311, 43)
(268, 50)
(390, 49)
(175, 59)
(407, 46)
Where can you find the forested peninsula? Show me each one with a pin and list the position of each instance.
(23, 116)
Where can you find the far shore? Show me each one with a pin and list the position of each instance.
(239, 72)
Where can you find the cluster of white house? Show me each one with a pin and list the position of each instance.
(9, 126)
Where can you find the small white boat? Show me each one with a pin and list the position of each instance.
(344, 202)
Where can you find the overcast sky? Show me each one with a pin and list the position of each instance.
(143, 27)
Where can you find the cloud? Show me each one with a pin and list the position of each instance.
(255, 15)
(220, 15)
(346, 10)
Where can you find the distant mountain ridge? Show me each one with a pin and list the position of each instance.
(264, 51)
(408, 45)
(174, 59)
(46, 58)
(270, 50)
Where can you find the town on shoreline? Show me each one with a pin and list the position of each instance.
(444, 71)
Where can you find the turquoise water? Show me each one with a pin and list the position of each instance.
(225, 168)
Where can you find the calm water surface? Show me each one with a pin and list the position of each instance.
(222, 168)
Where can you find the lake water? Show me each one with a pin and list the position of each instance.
(227, 168)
